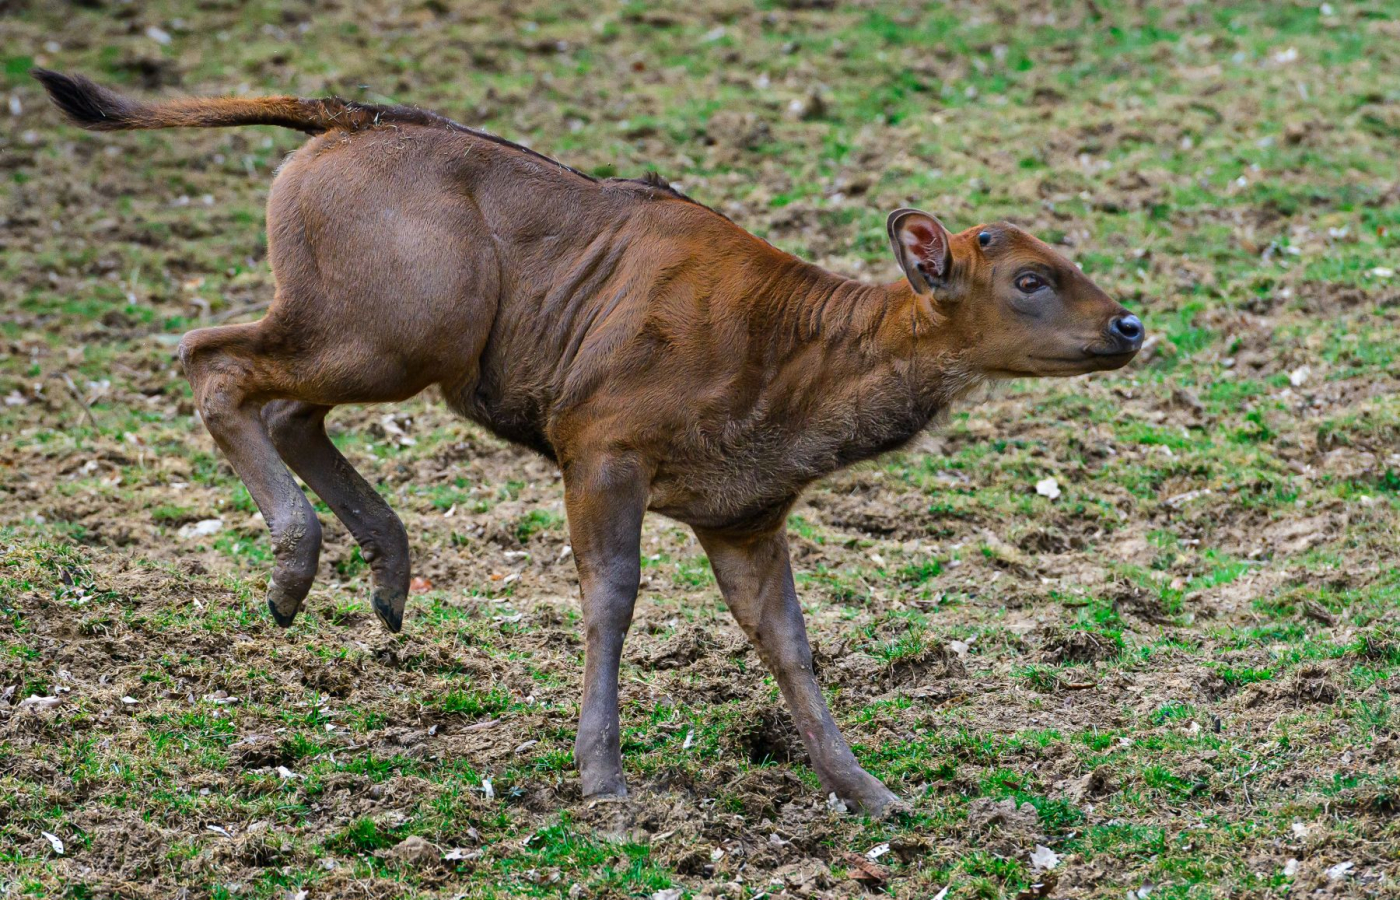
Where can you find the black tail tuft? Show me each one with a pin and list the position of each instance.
(85, 103)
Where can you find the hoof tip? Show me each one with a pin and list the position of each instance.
(391, 617)
(895, 811)
(282, 619)
(613, 792)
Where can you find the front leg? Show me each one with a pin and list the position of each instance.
(755, 575)
(605, 501)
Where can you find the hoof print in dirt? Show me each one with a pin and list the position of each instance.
(770, 737)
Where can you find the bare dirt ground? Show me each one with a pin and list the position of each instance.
(1165, 672)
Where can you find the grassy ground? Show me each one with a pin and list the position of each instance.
(1175, 675)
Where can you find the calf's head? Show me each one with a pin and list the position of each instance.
(1014, 305)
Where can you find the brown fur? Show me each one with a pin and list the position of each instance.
(664, 357)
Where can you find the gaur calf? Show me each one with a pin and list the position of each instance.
(664, 357)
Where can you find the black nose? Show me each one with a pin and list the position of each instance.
(1127, 330)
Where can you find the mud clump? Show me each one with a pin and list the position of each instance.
(414, 851)
(676, 652)
(1003, 827)
(1314, 684)
(1043, 539)
(1378, 644)
(261, 751)
(929, 667)
(805, 878)
(1311, 685)
(1133, 600)
(1072, 645)
(1213, 686)
(1090, 786)
(738, 131)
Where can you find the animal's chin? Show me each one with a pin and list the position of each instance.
(1068, 365)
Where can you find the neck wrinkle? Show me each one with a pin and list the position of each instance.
(918, 343)
(897, 339)
(858, 368)
(814, 305)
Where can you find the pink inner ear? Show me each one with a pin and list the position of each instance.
(920, 239)
(923, 240)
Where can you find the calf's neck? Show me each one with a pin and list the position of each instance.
(665, 358)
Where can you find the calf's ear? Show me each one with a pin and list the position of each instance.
(921, 247)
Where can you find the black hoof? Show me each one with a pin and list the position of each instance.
(387, 612)
(284, 620)
(616, 791)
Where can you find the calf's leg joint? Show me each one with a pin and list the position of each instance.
(228, 388)
(298, 431)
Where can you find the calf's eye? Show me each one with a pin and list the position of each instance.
(984, 238)
(1029, 284)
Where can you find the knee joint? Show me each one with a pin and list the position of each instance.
(297, 536)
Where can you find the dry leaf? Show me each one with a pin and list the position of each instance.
(866, 872)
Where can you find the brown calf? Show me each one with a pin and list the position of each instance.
(664, 357)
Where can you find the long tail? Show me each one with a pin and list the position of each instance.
(98, 108)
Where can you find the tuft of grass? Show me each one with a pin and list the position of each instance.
(472, 703)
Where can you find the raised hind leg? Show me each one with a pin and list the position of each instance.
(298, 432)
(232, 377)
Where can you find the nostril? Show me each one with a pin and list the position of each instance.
(1127, 327)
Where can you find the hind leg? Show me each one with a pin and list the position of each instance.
(231, 378)
(298, 432)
